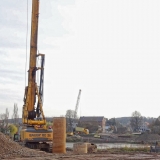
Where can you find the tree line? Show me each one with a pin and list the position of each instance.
(135, 122)
(5, 126)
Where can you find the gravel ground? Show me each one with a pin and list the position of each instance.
(97, 156)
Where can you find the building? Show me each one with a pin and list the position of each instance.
(93, 121)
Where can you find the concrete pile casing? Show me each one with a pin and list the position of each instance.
(84, 147)
(59, 135)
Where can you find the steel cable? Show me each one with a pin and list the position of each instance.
(26, 44)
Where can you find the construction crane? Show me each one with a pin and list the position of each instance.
(36, 135)
(74, 124)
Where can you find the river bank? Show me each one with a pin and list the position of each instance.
(113, 145)
(113, 138)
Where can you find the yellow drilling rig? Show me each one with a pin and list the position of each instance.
(35, 135)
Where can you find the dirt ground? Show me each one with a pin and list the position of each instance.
(12, 150)
(95, 156)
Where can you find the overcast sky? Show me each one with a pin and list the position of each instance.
(110, 49)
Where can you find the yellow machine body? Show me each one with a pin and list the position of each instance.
(32, 135)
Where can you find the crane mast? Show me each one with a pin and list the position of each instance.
(76, 108)
(32, 114)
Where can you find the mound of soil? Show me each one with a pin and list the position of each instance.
(9, 148)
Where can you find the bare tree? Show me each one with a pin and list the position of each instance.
(136, 120)
(69, 114)
(70, 120)
(4, 121)
(15, 115)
